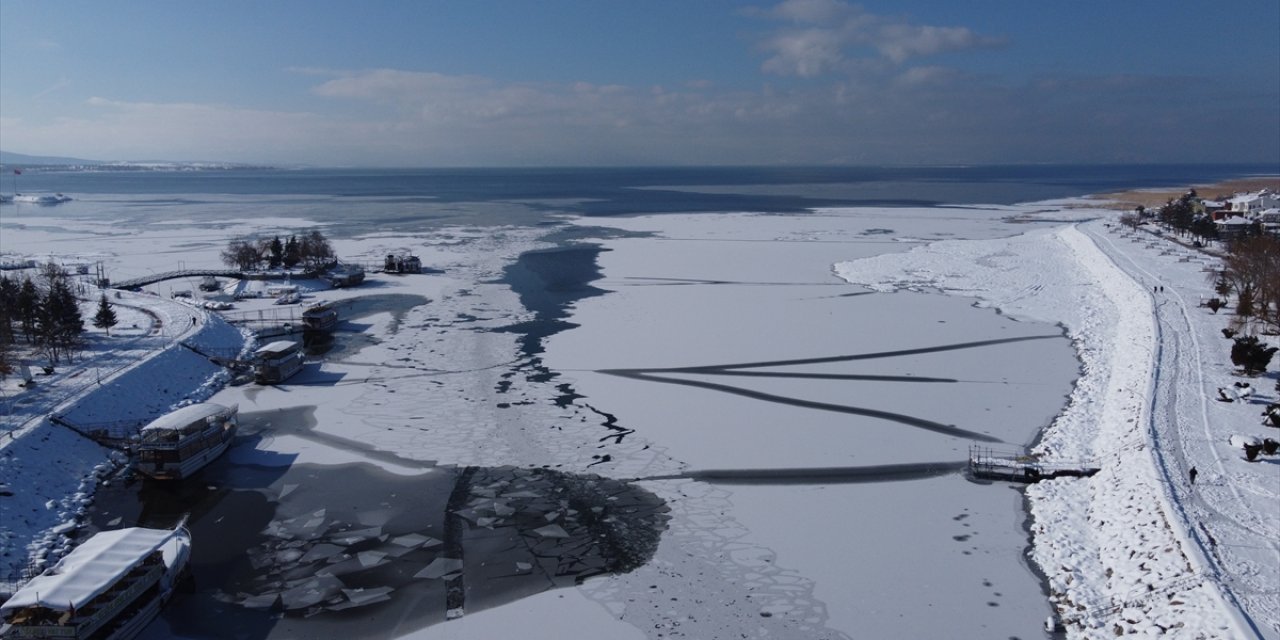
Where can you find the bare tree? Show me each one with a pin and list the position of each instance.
(1252, 270)
(242, 254)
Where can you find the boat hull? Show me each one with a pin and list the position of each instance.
(188, 466)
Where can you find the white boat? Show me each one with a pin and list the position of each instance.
(277, 361)
(319, 317)
(289, 298)
(178, 444)
(41, 198)
(110, 588)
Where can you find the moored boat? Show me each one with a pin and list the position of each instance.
(319, 317)
(41, 198)
(277, 361)
(110, 587)
(178, 444)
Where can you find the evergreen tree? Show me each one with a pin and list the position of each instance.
(59, 323)
(276, 255)
(1251, 355)
(8, 309)
(106, 316)
(292, 253)
(1244, 302)
(28, 307)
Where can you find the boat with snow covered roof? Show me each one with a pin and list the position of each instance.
(277, 361)
(41, 198)
(180, 443)
(110, 588)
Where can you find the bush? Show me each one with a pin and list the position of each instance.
(1251, 355)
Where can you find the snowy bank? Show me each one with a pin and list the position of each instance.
(1116, 556)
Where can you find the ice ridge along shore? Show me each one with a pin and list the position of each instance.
(1115, 551)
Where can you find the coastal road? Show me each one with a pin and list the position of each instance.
(1226, 517)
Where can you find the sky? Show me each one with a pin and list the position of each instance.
(655, 82)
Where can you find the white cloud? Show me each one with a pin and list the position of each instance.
(833, 36)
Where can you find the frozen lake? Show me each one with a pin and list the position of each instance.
(788, 446)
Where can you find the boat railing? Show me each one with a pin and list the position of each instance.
(118, 603)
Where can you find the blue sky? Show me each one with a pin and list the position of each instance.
(614, 82)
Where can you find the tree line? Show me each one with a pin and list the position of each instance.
(44, 313)
(311, 251)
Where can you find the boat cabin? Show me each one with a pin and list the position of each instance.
(110, 586)
(346, 276)
(177, 444)
(319, 317)
(277, 361)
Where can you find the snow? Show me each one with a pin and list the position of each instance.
(93, 567)
(710, 322)
(1130, 537)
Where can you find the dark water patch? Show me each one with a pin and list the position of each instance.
(354, 551)
(611, 423)
(547, 282)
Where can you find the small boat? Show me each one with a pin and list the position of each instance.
(110, 588)
(41, 198)
(289, 298)
(178, 444)
(345, 276)
(277, 361)
(319, 317)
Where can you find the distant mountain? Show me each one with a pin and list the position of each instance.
(7, 157)
(55, 164)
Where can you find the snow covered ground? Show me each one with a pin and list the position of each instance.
(804, 432)
(1135, 549)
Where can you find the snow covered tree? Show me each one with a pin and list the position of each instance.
(59, 324)
(106, 316)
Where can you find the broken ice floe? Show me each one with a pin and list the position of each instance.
(469, 538)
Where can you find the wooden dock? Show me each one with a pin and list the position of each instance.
(989, 464)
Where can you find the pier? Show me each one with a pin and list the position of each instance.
(988, 464)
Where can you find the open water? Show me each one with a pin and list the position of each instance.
(366, 199)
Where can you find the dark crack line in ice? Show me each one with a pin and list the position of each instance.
(921, 423)
(819, 475)
(721, 368)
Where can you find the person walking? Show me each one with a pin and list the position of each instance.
(1193, 475)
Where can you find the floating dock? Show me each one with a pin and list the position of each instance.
(988, 464)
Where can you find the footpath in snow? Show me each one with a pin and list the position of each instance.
(1135, 549)
(146, 369)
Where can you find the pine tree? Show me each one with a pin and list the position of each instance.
(28, 307)
(106, 316)
(292, 253)
(276, 249)
(59, 324)
(1251, 355)
(8, 309)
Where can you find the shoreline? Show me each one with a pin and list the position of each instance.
(1153, 198)
(1104, 510)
